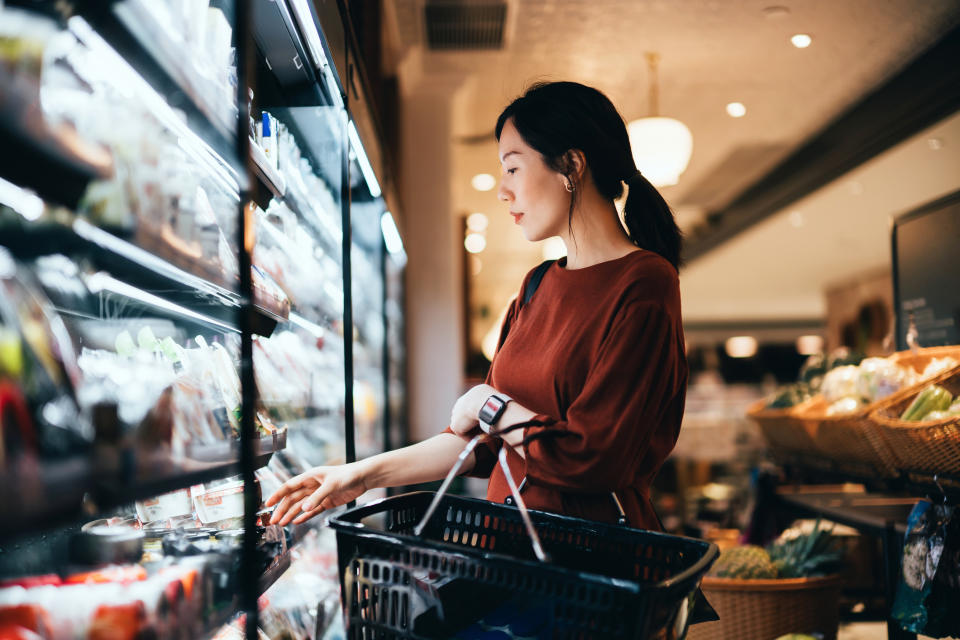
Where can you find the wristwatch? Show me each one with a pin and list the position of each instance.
(491, 411)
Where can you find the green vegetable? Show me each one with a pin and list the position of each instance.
(938, 415)
(789, 396)
(146, 339)
(810, 554)
(124, 344)
(933, 398)
(813, 370)
(170, 349)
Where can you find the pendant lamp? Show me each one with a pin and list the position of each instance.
(661, 146)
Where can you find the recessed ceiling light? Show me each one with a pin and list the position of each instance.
(935, 144)
(801, 40)
(483, 182)
(475, 243)
(477, 222)
(736, 110)
(741, 347)
(796, 219)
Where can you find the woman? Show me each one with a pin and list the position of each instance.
(593, 365)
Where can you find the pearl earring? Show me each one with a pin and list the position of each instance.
(568, 186)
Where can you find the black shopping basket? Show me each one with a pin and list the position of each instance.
(478, 569)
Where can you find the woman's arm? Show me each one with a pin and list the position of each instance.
(322, 488)
(464, 419)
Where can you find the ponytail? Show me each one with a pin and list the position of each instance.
(650, 222)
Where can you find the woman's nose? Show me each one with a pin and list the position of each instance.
(503, 194)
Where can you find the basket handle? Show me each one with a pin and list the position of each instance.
(467, 450)
(524, 514)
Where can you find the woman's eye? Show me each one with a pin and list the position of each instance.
(511, 171)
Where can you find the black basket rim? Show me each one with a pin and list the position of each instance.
(347, 522)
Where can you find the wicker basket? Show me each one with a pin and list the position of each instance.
(790, 439)
(852, 441)
(926, 447)
(767, 609)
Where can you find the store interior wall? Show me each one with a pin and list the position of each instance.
(433, 279)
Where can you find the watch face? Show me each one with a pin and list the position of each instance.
(491, 405)
(491, 409)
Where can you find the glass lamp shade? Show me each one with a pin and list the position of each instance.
(661, 148)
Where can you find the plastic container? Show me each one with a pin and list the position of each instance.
(473, 569)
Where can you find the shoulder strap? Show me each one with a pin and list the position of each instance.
(535, 280)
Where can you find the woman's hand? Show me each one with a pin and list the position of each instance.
(304, 496)
(463, 418)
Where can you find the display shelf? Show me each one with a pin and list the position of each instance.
(55, 163)
(36, 496)
(44, 494)
(268, 176)
(203, 297)
(151, 478)
(226, 451)
(273, 572)
(148, 48)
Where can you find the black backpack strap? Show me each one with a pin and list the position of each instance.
(535, 279)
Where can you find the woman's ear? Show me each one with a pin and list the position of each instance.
(575, 165)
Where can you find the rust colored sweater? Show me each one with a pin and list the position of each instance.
(598, 354)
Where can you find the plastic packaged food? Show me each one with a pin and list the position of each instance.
(221, 506)
(164, 507)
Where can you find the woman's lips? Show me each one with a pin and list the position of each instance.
(516, 217)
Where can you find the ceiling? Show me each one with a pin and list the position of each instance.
(712, 52)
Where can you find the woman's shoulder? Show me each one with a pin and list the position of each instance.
(648, 276)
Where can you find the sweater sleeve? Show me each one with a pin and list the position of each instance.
(609, 426)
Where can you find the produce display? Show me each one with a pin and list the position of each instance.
(793, 555)
(848, 383)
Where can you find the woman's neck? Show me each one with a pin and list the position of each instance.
(597, 235)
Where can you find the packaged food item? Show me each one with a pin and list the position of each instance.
(165, 507)
(221, 506)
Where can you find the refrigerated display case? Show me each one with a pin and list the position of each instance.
(178, 323)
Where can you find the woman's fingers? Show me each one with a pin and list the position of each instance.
(317, 498)
(289, 503)
(303, 517)
(291, 485)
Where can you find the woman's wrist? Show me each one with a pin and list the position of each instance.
(514, 414)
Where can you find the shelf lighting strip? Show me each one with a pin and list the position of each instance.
(316, 330)
(101, 282)
(391, 236)
(365, 167)
(146, 259)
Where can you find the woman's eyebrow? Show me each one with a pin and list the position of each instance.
(507, 155)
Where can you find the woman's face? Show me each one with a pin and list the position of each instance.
(536, 195)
